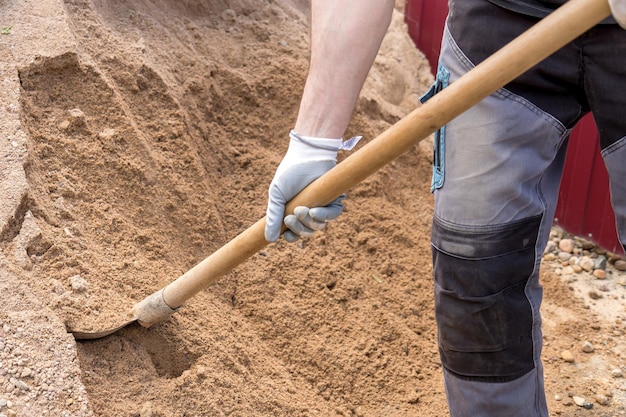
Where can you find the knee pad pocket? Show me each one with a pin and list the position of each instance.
(483, 314)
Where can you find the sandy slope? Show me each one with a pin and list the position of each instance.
(138, 137)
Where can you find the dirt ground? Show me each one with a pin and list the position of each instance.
(138, 137)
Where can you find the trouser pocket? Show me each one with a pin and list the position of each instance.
(441, 81)
(484, 317)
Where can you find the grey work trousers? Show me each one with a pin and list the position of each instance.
(496, 177)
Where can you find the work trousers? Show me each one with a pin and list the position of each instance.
(496, 176)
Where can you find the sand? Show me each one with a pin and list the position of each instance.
(138, 138)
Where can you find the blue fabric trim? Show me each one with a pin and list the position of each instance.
(441, 81)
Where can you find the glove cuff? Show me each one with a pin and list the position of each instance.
(327, 144)
(618, 9)
(306, 148)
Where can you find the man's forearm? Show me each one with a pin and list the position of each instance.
(345, 38)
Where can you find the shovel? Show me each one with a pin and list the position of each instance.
(550, 34)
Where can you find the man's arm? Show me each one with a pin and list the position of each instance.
(345, 38)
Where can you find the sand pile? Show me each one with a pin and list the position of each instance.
(138, 137)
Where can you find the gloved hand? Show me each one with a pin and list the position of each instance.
(304, 222)
(618, 9)
(306, 159)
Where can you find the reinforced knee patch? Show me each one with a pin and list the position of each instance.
(483, 315)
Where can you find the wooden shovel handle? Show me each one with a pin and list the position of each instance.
(546, 37)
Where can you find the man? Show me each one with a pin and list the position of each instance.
(496, 177)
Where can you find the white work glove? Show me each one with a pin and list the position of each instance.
(306, 159)
(618, 9)
(304, 221)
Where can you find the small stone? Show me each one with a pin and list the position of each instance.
(557, 397)
(107, 133)
(587, 347)
(600, 262)
(587, 245)
(79, 284)
(550, 247)
(595, 295)
(586, 263)
(146, 410)
(57, 287)
(549, 257)
(564, 256)
(580, 401)
(26, 372)
(577, 268)
(201, 371)
(567, 356)
(229, 16)
(599, 273)
(617, 373)
(566, 245)
(620, 265)
(21, 385)
(76, 114)
(602, 399)
(64, 125)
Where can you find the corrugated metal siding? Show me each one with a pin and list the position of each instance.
(584, 207)
(584, 204)
(425, 20)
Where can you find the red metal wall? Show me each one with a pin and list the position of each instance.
(425, 20)
(584, 208)
(584, 204)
